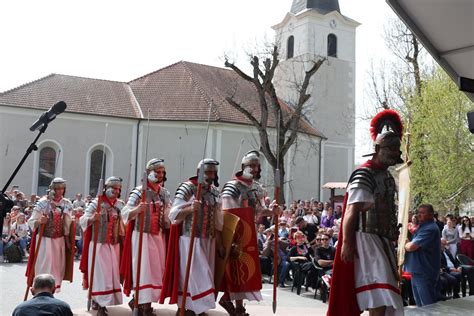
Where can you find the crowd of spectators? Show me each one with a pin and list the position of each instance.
(308, 232)
(16, 234)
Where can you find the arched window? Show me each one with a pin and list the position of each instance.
(290, 47)
(47, 169)
(332, 45)
(95, 171)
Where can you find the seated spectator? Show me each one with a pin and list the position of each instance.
(19, 233)
(328, 219)
(310, 217)
(300, 258)
(309, 230)
(325, 254)
(78, 202)
(283, 230)
(14, 213)
(338, 213)
(43, 301)
(283, 264)
(6, 234)
(261, 237)
(285, 216)
(450, 275)
(20, 201)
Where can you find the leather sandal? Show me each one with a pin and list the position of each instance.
(241, 311)
(228, 306)
(102, 311)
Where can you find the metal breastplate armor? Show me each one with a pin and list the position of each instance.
(155, 212)
(381, 218)
(249, 196)
(205, 227)
(109, 225)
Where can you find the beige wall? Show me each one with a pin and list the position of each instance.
(181, 144)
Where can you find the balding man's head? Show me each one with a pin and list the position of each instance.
(43, 283)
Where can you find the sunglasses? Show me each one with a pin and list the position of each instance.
(324, 238)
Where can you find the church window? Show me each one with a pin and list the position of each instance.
(97, 156)
(332, 45)
(47, 169)
(290, 47)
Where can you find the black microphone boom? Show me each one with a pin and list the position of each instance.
(49, 115)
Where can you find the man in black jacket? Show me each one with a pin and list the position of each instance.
(43, 302)
(450, 274)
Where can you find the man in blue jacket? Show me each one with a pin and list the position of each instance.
(43, 302)
(423, 258)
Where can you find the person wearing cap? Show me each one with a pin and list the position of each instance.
(365, 272)
(53, 211)
(207, 241)
(106, 289)
(153, 255)
(283, 229)
(244, 197)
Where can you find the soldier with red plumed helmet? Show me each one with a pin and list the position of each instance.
(365, 272)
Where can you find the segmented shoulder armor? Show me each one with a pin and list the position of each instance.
(231, 189)
(185, 191)
(363, 178)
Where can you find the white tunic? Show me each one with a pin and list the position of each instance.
(153, 257)
(201, 274)
(375, 282)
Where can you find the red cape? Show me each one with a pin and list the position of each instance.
(172, 268)
(342, 298)
(84, 264)
(29, 266)
(126, 261)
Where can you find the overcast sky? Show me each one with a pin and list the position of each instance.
(122, 40)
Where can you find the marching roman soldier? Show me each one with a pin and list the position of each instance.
(365, 273)
(106, 289)
(201, 287)
(55, 253)
(244, 197)
(153, 253)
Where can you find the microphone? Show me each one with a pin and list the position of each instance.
(49, 115)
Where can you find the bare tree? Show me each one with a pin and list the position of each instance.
(287, 122)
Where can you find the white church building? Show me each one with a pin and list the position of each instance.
(164, 114)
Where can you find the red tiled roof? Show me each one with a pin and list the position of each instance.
(82, 95)
(183, 91)
(179, 92)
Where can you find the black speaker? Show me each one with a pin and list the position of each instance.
(470, 121)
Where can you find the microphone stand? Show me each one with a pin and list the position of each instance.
(30, 149)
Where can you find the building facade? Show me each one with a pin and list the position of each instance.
(315, 29)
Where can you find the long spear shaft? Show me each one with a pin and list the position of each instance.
(100, 190)
(142, 222)
(275, 219)
(193, 228)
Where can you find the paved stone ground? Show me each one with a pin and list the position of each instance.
(12, 289)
